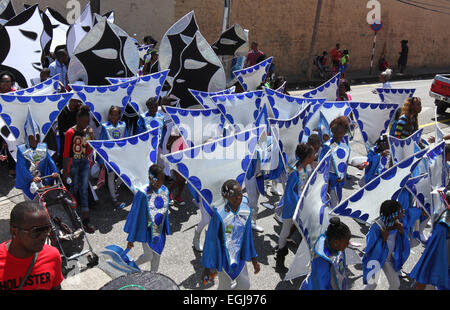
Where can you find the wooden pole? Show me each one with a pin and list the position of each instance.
(373, 52)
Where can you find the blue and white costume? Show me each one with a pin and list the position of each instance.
(147, 122)
(389, 255)
(377, 165)
(111, 132)
(33, 162)
(148, 223)
(433, 267)
(328, 268)
(229, 245)
(338, 168)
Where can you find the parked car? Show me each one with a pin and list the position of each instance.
(440, 91)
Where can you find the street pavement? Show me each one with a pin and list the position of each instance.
(180, 262)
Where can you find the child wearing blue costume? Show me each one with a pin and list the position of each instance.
(433, 267)
(229, 241)
(387, 247)
(33, 162)
(328, 265)
(113, 129)
(148, 220)
(378, 159)
(296, 182)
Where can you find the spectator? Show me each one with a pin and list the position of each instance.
(253, 55)
(76, 162)
(60, 65)
(7, 80)
(336, 56)
(343, 92)
(345, 62)
(26, 262)
(67, 119)
(403, 59)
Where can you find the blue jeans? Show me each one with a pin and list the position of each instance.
(79, 173)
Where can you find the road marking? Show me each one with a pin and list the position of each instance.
(434, 123)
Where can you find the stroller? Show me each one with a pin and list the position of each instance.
(67, 233)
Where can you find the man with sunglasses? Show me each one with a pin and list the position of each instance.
(27, 254)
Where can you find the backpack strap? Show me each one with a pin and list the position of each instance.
(33, 261)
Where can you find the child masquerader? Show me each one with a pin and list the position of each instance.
(378, 160)
(339, 157)
(387, 247)
(33, 161)
(296, 182)
(113, 129)
(148, 220)
(229, 241)
(328, 265)
(433, 267)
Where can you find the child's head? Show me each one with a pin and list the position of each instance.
(74, 104)
(339, 128)
(305, 154)
(344, 87)
(232, 191)
(114, 114)
(338, 234)
(447, 152)
(315, 141)
(45, 74)
(391, 211)
(382, 144)
(83, 117)
(156, 176)
(152, 106)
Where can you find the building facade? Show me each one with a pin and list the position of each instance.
(283, 28)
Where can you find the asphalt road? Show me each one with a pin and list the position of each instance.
(179, 261)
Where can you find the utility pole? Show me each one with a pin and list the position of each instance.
(95, 6)
(225, 26)
(313, 39)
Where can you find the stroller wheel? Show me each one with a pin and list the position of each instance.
(92, 260)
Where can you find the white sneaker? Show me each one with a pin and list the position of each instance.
(277, 218)
(274, 190)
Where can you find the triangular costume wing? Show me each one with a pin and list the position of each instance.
(403, 148)
(242, 110)
(311, 215)
(328, 90)
(251, 78)
(437, 176)
(208, 166)
(174, 42)
(45, 111)
(395, 95)
(233, 42)
(134, 173)
(288, 134)
(204, 98)
(283, 107)
(198, 126)
(373, 119)
(200, 69)
(100, 98)
(21, 50)
(60, 27)
(78, 30)
(364, 205)
(48, 87)
(106, 51)
(146, 87)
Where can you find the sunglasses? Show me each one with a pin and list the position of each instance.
(36, 232)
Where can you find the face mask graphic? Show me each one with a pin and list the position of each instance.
(21, 50)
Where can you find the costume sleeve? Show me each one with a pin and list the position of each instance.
(290, 196)
(399, 129)
(320, 278)
(212, 250)
(374, 161)
(432, 267)
(68, 143)
(402, 250)
(23, 175)
(248, 247)
(140, 125)
(48, 167)
(136, 224)
(103, 134)
(325, 149)
(376, 249)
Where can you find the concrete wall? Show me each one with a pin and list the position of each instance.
(284, 28)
